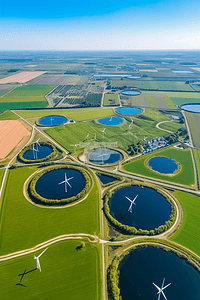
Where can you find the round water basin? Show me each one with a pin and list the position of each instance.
(106, 179)
(150, 210)
(112, 75)
(111, 121)
(193, 107)
(134, 77)
(163, 165)
(104, 156)
(145, 266)
(130, 93)
(130, 111)
(39, 153)
(52, 120)
(60, 184)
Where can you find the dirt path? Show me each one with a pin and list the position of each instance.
(157, 125)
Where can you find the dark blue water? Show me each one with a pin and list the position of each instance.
(106, 179)
(163, 165)
(151, 209)
(147, 265)
(111, 121)
(48, 184)
(191, 107)
(104, 156)
(42, 152)
(130, 93)
(129, 110)
(52, 120)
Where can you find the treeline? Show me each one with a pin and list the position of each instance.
(56, 202)
(135, 148)
(126, 229)
(29, 147)
(174, 137)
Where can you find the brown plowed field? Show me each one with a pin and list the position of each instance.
(11, 133)
(21, 77)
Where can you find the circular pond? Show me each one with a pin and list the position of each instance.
(111, 121)
(52, 120)
(145, 266)
(134, 77)
(106, 179)
(104, 156)
(149, 210)
(60, 184)
(193, 107)
(128, 110)
(38, 153)
(130, 93)
(163, 165)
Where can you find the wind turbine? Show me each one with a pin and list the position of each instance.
(37, 143)
(66, 182)
(102, 155)
(95, 138)
(160, 290)
(51, 119)
(132, 202)
(103, 132)
(130, 125)
(37, 259)
(87, 137)
(110, 119)
(75, 145)
(34, 152)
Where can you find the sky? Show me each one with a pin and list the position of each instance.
(100, 25)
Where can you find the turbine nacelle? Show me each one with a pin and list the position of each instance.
(132, 202)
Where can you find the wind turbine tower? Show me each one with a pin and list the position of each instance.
(66, 182)
(132, 202)
(37, 259)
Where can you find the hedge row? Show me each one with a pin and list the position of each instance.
(126, 229)
(26, 161)
(55, 202)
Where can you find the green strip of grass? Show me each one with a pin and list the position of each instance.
(30, 91)
(171, 126)
(66, 274)
(185, 176)
(25, 225)
(108, 97)
(197, 157)
(189, 233)
(8, 115)
(179, 100)
(22, 105)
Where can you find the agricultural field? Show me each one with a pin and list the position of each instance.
(20, 77)
(179, 98)
(149, 99)
(77, 114)
(21, 105)
(171, 126)
(66, 273)
(110, 100)
(189, 233)
(194, 124)
(185, 176)
(5, 88)
(58, 79)
(21, 216)
(197, 158)
(8, 115)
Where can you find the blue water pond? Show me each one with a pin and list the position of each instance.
(111, 121)
(194, 107)
(129, 110)
(145, 266)
(151, 209)
(42, 152)
(106, 179)
(163, 165)
(131, 93)
(52, 120)
(51, 185)
(104, 156)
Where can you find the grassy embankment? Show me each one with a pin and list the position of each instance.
(185, 176)
(26, 96)
(189, 233)
(25, 225)
(67, 273)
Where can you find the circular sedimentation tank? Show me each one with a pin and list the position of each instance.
(52, 120)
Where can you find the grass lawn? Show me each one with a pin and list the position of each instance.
(5, 88)
(189, 233)
(171, 126)
(8, 115)
(194, 124)
(22, 105)
(1, 174)
(197, 157)
(78, 114)
(66, 274)
(185, 176)
(110, 99)
(25, 225)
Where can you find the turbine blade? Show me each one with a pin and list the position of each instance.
(38, 265)
(128, 199)
(166, 286)
(69, 184)
(163, 283)
(130, 208)
(159, 296)
(156, 286)
(42, 252)
(69, 178)
(135, 198)
(164, 295)
(62, 182)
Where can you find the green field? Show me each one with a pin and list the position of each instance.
(28, 93)
(143, 126)
(197, 157)
(179, 98)
(8, 115)
(171, 126)
(78, 114)
(24, 225)
(22, 105)
(185, 176)
(66, 274)
(149, 99)
(110, 100)
(152, 84)
(189, 233)
(194, 124)
(5, 88)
